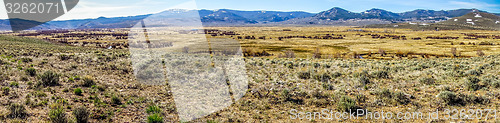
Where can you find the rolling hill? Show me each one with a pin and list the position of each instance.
(476, 20)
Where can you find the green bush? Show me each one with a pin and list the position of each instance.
(153, 110)
(14, 84)
(24, 79)
(364, 80)
(474, 72)
(491, 81)
(6, 90)
(381, 74)
(17, 111)
(449, 98)
(57, 115)
(388, 96)
(427, 80)
(385, 93)
(64, 57)
(49, 78)
(116, 100)
(322, 77)
(401, 98)
(347, 104)
(81, 114)
(495, 84)
(285, 95)
(305, 75)
(155, 118)
(336, 74)
(88, 81)
(361, 98)
(30, 71)
(473, 99)
(472, 83)
(78, 92)
(26, 60)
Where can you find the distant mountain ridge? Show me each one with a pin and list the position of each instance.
(381, 16)
(476, 20)
(227, 17)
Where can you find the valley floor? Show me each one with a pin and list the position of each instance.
(276, 86)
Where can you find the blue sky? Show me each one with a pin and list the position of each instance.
(117, 8)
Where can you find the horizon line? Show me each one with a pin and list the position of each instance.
(268, 11)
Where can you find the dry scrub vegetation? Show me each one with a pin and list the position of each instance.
(43, 81)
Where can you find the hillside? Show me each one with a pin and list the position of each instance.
(477, 20)
(471, 21)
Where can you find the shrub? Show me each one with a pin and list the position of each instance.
(305, 75)
(449, 98)
(388, 96)
(26, 60)
(116, 100)
(88, 81)
(153, 110)
(24, 79)
(401, 98)
(81, 114)
(491, 81)
(322, 77)
(381, 74)
(336, 74)
(155, 118)
(385, 93)
(472, 84)
(6, 90)
(474, 72)
(57, 115)
(363, 80)
(78, 92)
(30, 71)
(100, 88)
(360, 98)
(347, 104)
(285, 94)
(14, 84)
(473, 99)
(427, 80)
(49, 78)
(328, 86)
(495, 84)
(64, 57)
(17, 111)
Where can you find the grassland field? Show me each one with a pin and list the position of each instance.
(40, 77)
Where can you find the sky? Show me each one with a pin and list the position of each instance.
(119, 8)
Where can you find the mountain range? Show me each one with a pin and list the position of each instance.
(227, 17)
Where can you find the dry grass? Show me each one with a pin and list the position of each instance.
(276, 85)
